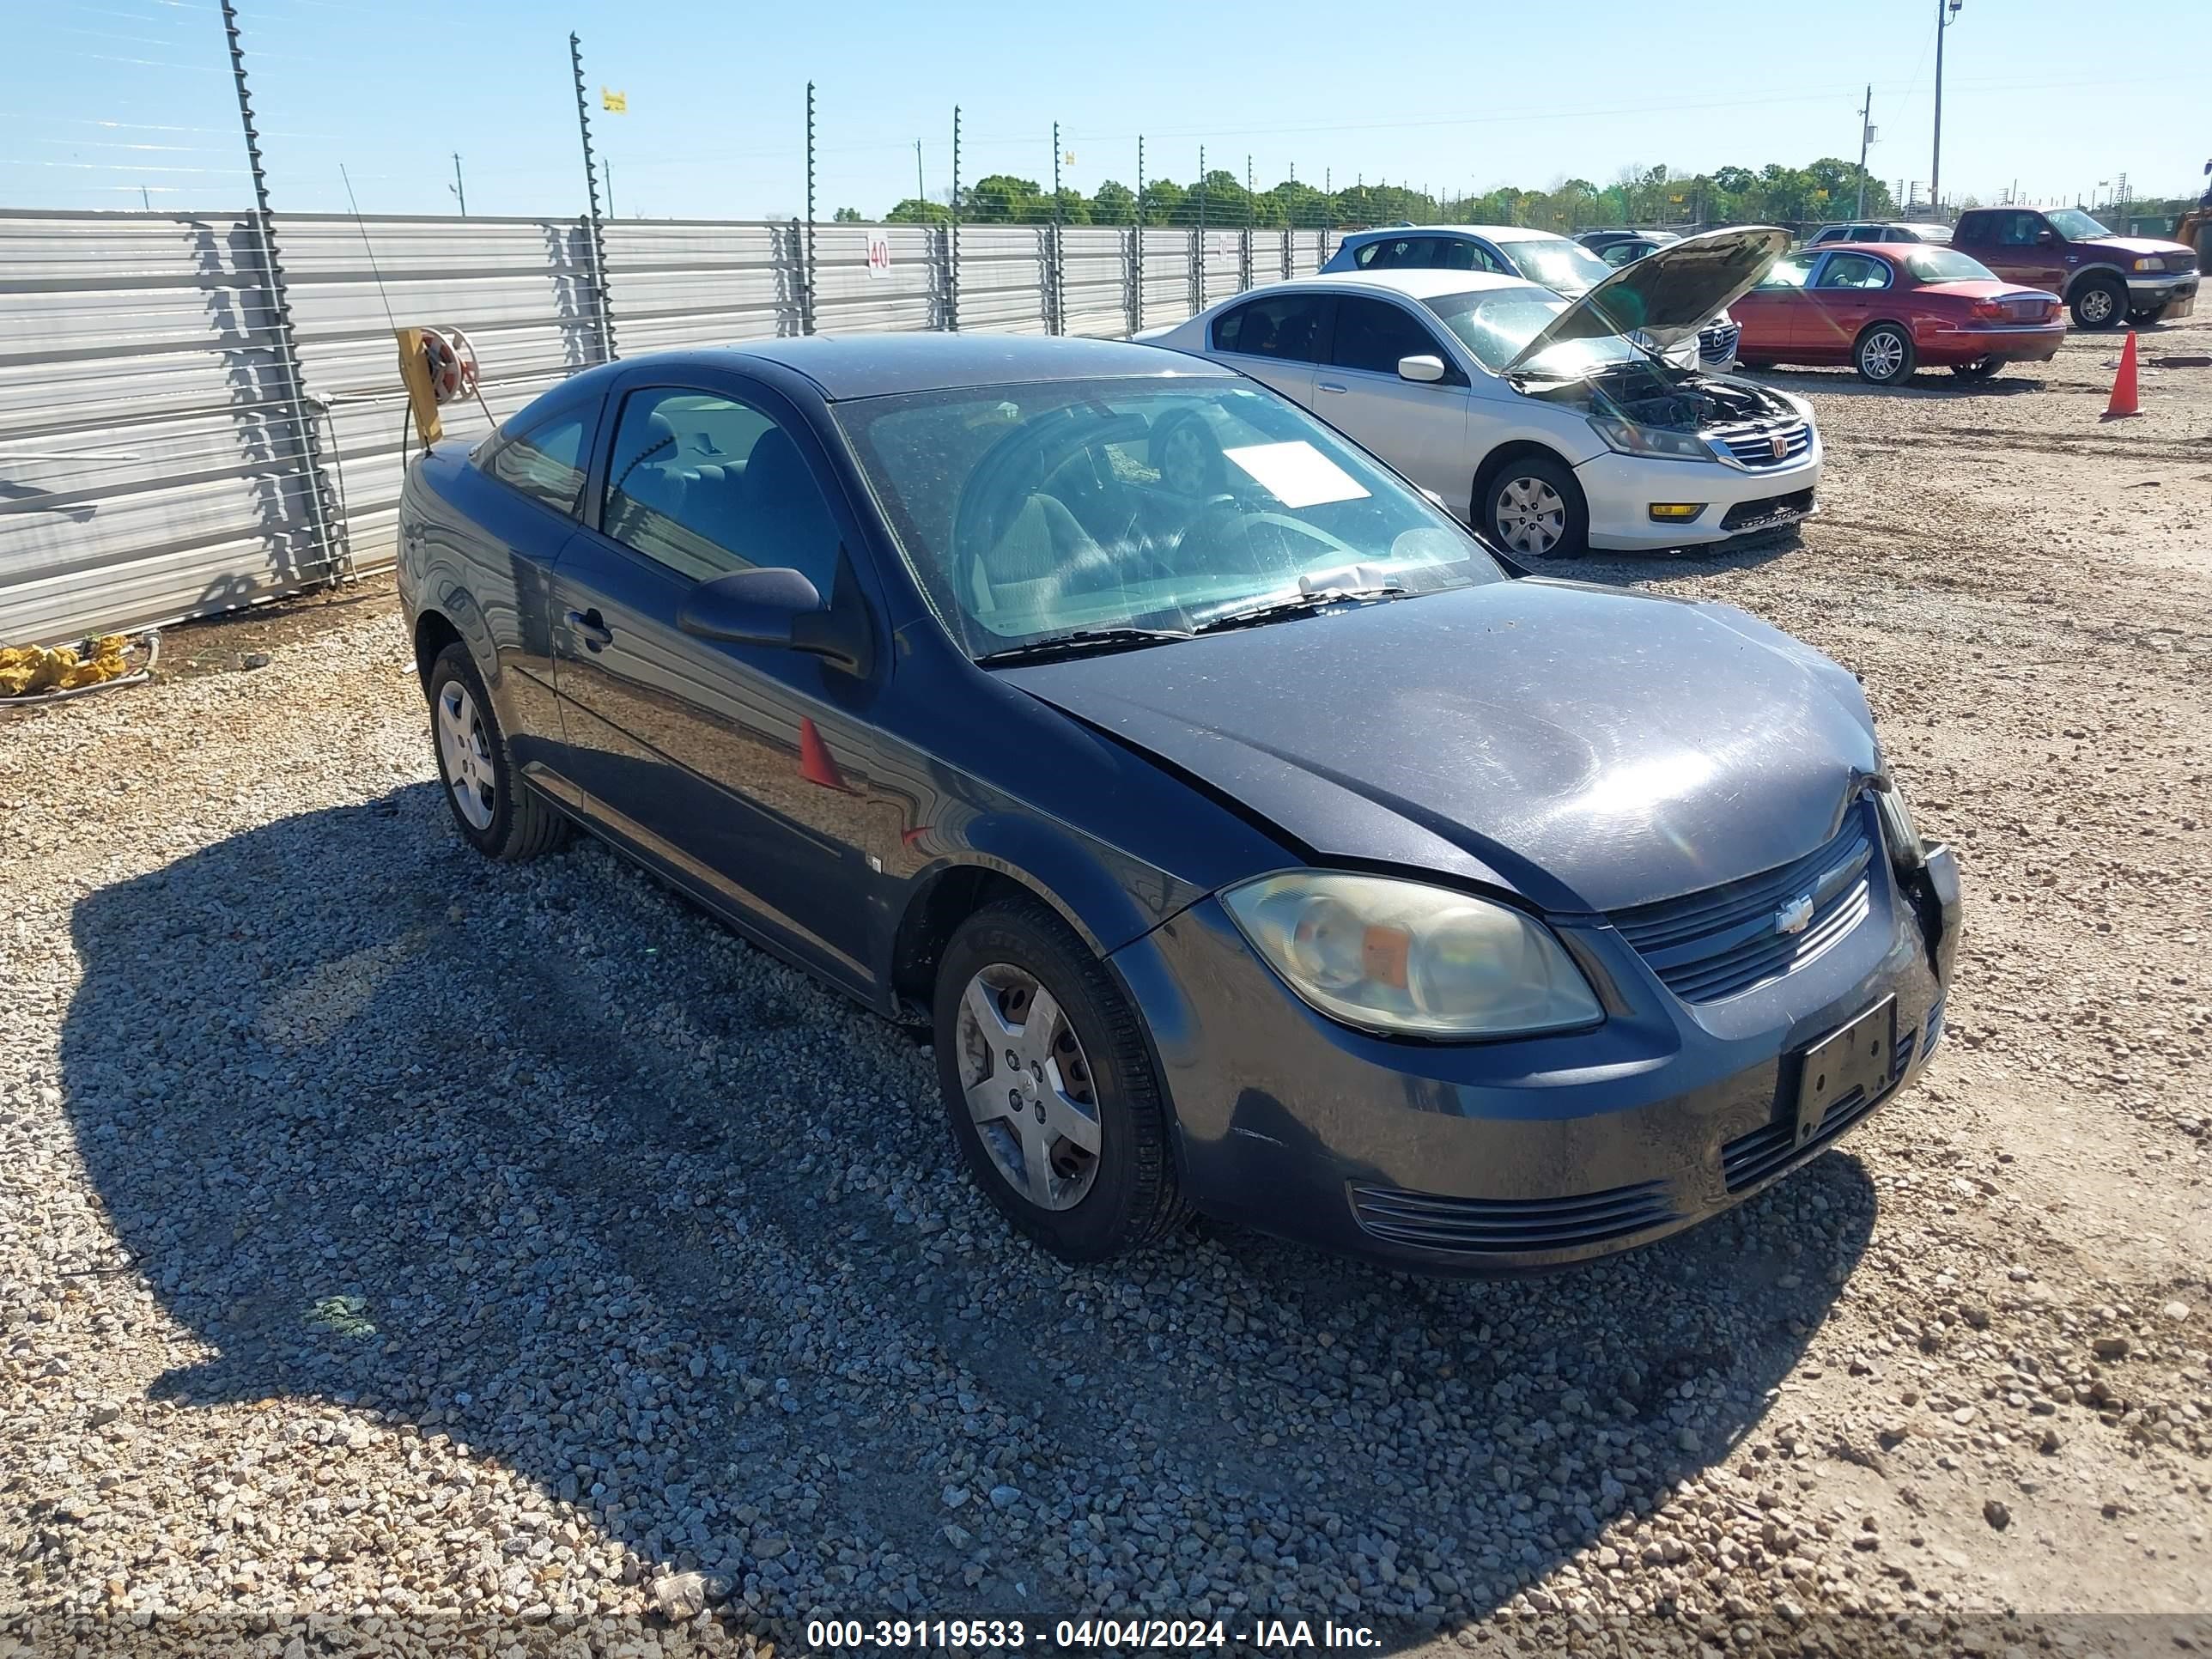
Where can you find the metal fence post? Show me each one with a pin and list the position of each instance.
(330, 542)
(1056, 323)
(596, 241)
(952, 264)
(1137, 245)
(806, 279)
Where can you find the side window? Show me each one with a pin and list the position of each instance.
(1790, 272)
(2018, 229)
(1369, 254)
(1373, 334)
(706, 485)
(1457, 253)
(1974, 227)
(546, 463)
(1853, 270)
(1287, 326)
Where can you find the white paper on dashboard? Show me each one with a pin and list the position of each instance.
(1296, 474)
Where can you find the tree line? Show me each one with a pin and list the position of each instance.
(1825, 189)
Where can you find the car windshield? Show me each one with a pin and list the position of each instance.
(1032, 513)
(1496, 323)
(2074, 225)
(1943, 264)
(1561, 265)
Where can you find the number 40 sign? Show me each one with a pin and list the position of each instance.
(879, 254)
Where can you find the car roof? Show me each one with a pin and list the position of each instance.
(1494, 232)
(846, 366)
(1413, 284)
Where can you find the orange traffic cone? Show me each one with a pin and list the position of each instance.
(815, 764)
(2123, 384)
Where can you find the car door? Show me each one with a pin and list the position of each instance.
(742, 771)
(525, 511)
(1277, 339)
(2011, 242)
(1770, 314)
(1418, 426)
(1842, 298)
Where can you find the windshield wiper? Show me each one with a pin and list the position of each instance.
(1298, 604)
(1082, 639)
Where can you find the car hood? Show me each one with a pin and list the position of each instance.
(1590, 748)
(1670, 293)
(2137, 246)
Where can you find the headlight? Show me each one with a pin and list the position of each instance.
(2152, 263)
(1907, 850)
(1651, 442)
(1408, 959)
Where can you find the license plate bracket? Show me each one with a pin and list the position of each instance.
(1862, 1056)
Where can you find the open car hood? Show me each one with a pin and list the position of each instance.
(1670, 293)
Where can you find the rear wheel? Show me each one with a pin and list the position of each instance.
(1884, 354)
(2146, 316)
(495, 812)
(1534, 510)
(1983, 368)
(2099, 302)
(1048, 1085)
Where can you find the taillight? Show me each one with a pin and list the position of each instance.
(1991, 308)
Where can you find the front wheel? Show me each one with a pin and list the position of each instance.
(2100, 302)
(1534, 510)
(1884, 354)
(1982, 368)
(1048, 1085)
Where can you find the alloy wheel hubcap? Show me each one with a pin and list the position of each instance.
(464, 747)
(1029, 1087)
(1882, 356)
(2096, 305)
(1531, 516)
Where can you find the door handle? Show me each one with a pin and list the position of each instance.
(1327, 386)
(593, 626)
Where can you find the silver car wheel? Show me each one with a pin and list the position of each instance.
(1029, 1087)
(1882, 355)
(2097, 307)
(464, 747)
(1531, 516)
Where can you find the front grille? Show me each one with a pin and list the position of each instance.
(2181, 262)
(1724, 940)
(1749, 1159)
(1716, 342)
(1498, 1226)
(1752, 443)
(1768, 510)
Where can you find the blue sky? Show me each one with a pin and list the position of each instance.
(106, 96)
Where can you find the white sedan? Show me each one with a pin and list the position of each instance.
(1552, 426)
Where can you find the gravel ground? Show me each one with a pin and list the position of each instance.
(402, 1252)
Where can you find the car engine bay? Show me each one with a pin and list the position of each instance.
(1675, 400)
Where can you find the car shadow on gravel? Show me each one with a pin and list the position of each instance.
(1929, 382)
(539, 1159)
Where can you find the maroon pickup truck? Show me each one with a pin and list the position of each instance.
(2107, 280)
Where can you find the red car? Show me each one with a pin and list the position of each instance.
(1887, 308)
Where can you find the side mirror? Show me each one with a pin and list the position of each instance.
(1435, 500)
(1424, 368)
(2045, 237)
(783, 609)
(750, 607)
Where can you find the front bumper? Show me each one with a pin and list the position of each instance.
(1621, 488)
(1527, 1154)
(2168, 292)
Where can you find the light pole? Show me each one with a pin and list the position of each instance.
(1866, 138)
(1946, 13)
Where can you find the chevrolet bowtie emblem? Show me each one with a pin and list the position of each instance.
(1796, 916)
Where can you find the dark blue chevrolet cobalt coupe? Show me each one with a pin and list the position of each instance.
(1253, 838)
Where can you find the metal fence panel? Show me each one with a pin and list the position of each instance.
(677, 283)
(848, 299)
(1003, 277)
(1167, 277)
(149, 463)
(1095, 281)
(1224, 263)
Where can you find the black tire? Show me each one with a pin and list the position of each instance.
(1517, 477)
(1134, 1196)
(1985, 368)
(2146, 317)
(2099, 302)
(1889, 348)
(522, 823)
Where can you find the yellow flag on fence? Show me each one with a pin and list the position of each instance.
(614, 103)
